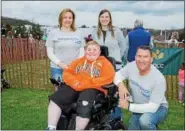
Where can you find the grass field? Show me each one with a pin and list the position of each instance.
(26, 109)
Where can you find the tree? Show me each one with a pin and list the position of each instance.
(3, 30)
(36, 31)
(20, 29)
(182, 36)
(8, 27)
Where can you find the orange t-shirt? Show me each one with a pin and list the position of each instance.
(83, 74)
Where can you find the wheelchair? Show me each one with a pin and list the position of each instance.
(4, 83)
(102, 109)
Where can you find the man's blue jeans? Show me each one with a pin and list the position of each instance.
(147, 121)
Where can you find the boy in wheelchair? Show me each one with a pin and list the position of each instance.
(83, 79)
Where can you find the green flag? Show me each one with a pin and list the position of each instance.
(168, 60)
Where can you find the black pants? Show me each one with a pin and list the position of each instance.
(66, 96)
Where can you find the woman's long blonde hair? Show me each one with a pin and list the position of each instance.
(110, 26)
(60, 19)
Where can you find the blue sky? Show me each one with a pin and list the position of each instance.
(155, 14)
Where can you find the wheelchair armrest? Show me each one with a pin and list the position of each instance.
(55, 82)
(111, 88)
(108, 86)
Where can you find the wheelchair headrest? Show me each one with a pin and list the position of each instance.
(104, 51)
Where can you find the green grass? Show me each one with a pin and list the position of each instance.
(26, 109)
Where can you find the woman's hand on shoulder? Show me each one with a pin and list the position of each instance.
(63, 66)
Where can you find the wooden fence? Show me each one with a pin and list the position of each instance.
(27, 65)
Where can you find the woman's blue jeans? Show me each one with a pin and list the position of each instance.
(56, 73)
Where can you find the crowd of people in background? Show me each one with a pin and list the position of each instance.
(173, 41)
(29, 35)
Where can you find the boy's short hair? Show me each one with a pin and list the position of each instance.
(91, 43)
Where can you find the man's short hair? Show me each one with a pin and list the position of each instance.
(138, 23)
(92, 42)
(144, 47)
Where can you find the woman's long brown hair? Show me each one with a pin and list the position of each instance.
(110, 26)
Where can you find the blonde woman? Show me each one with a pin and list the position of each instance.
(113, 38)
(63, 44)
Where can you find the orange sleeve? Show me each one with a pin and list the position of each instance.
(106, 77)
(69, 75)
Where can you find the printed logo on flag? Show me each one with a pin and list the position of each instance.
(157, 55)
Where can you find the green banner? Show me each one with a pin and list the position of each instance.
(168, 60)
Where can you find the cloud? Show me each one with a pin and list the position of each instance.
(167, 13)
(140, 7)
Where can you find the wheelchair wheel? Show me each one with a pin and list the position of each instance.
(62, 123)
(7, 85)
(72, 123)
(120, 126)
